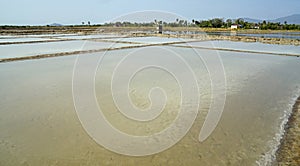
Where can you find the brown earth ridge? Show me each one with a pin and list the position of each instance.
(289, 150)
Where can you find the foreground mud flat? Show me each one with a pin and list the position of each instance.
(289, 151)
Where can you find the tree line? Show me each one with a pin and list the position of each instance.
(220, 23)
(212, 23)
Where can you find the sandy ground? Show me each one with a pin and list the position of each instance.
(289, 151)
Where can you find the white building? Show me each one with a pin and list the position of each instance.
(234, 26)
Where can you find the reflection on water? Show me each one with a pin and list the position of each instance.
(39, 125)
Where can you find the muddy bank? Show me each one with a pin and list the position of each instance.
(289, 150)
(22, 30)
(182, 32)
(280, 41)
(199, 37)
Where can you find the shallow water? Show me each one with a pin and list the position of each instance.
(39, 125)
(5, 40)
(102, 36)
(51, 35)
(23, 50)
(276, 35)
(37, 35)
(245, 46)
(151, 40)
(285, 35)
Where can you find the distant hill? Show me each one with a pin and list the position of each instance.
(56, 24)
(292, 19)
(251, 20)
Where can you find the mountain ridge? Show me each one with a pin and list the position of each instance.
(291, 19)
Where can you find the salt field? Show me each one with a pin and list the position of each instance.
(290, 35)
(90, 36)
(151, 40)
(23, 50)
(284, 35)
(39, 124)
(5, 40)
(243, 46)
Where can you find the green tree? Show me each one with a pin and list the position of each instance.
(217, 22)
(228, 22)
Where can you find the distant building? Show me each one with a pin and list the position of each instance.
(159, 28)
(256, 27)
(234, 26)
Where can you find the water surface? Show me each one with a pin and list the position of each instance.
(248, 46)
(151, 40)
(23, 50)
(39, 125)
(23, 39)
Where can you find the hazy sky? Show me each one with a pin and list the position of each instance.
(32, 12)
